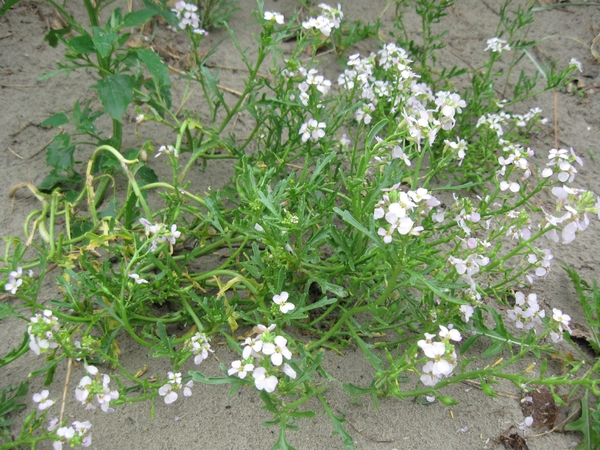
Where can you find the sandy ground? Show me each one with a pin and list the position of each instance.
(211, 419)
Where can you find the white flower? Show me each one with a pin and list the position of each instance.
(497, 45)
(137, 278)
(269, 15)
(576, 64)
(41, 331)
(287, 369)
(467, 311)
(169, 149)
(264, 381)
(284, 305)
(312, 130)
(562, 319)
(526, 424)
(200, 345)
(513, 186)
(452, 334)
(239, 369)
(277, 350)
(174, 384)
(13, 285)
(42, 399)
(77, 434)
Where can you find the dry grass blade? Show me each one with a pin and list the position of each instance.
(595, 48)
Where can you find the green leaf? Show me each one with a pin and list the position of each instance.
(48, 75)
(319, 304)
(156, 66)
(337, 426)
(375, 360)
(357, 391)
(147, 175)
(200, 378)
(7, 5)
(54, 36)
(135, 18)
(493, 350)
(59, 153)
(103, 41)
(584, 424)
(65, 180)
(82, 44)
(347, 217)
(56, 120)
(116, 93)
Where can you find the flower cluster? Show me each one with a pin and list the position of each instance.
(562, 160)
(77, 434)
(174, 383)
(199, 345)
(15, 280)
(542, 266)
(497, 45)
(572, 208)
(95, 385)
(442, 355)
(387, 79)
(41, 330)
(399, 208)
(187, 17)
(264, 348)
(329, 19)
(526, 313)
(160, 233)
(311, 82)
(498, 122)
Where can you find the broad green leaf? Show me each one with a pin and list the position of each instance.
(55, 121)
(59, 153)
(135, 18)
(116, 93)
(147, 175)
(82, 44)
(157, 68)
(54, 36)
(103, 41)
